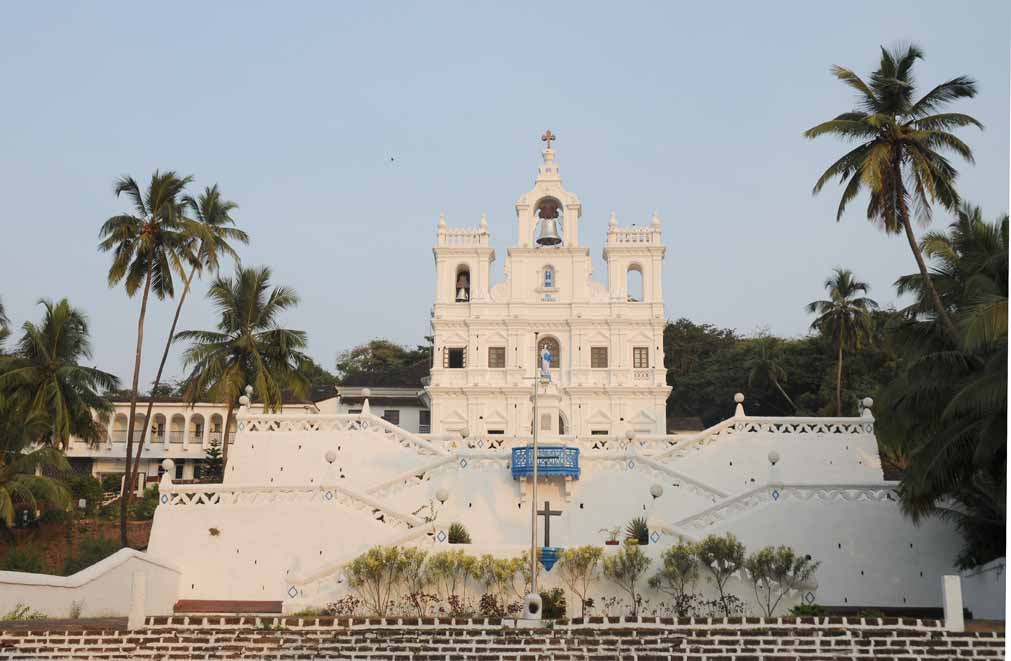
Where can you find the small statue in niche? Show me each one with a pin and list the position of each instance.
(546, 363)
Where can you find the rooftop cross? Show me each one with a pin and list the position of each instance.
(547, 137)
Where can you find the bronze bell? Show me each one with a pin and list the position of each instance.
(549, 233)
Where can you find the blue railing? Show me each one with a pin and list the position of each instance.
(552, 461)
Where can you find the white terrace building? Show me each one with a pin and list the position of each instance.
(606, 338)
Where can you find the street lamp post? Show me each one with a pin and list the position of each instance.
(533, 492)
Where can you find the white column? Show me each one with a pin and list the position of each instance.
(186, 432)
(951, 591)
(137, 599)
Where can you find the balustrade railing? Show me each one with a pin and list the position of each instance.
(552, 461)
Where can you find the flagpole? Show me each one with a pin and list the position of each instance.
(533, 491)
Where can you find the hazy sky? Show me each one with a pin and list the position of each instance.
(295, 109)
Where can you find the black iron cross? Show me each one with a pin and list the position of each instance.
(547, 513)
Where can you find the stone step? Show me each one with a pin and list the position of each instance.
(225, 606)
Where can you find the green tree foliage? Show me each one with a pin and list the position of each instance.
(579, 567)
(44, 380)
(5, 326)
(381, 362)
(845, 318)
(626, 568)
(315, 374)
(776, 571)
(248, 347)
(947, 409)
(723, 363)
(147, 246)
(901, 155)
(677, 575)
(451, 573)
(721, 557)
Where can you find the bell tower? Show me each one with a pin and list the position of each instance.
(548, 207)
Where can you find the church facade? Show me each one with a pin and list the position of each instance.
(605, 338)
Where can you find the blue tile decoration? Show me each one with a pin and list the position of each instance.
(292, 592)
(631, 464)
(328, 495)
(654, 537)
(441, 537)
(463, 462)
(775, 494)
(164, 499)
(552, 461)
(809, 597)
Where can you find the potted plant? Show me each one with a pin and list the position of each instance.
(458, 534)
(637, 530)
(612, 535)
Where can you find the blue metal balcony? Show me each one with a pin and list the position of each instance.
(552, 461)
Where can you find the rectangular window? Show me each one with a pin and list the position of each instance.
(179, 469)
(496, 432)
(598, 432)
(392, 416)
(354, 411)
(598, 356)
(640, 357)
(424, 421)
(454, 358)
(496, 357)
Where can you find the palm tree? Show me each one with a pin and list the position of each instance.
(248, 347)
(43, 377)
(203, 251)
(845, 317)
(949, 401)
(766, 364)
(901, 156)
(19, 464)
(148, 245)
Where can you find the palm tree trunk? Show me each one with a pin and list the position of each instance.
(124, 499)
(157, 377)
(838, 383)
(785, 396)
(224, 444)
(942, 313)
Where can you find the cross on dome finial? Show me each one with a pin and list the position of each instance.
(547, 137)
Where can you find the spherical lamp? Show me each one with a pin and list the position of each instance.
(442, 495)
(773, 457)
(656, 491)
(330, 456)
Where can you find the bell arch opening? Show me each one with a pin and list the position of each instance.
(634, 283)
(462, 286)
(547, 222)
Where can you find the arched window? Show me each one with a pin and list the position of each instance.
(634, 284)
(549, 277)
(462, 286)
(551, 344)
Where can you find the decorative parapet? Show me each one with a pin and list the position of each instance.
(221, 495)
(777, 492)
(634, 235)
(462, 236)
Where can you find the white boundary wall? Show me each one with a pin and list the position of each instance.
(102, 590)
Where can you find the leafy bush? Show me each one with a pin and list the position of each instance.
(451, 571)
(677, 577)
(21, 613)
(57, 517)
(625, 568)
(458, 534)
(722, 557)
(374, 575)
(776, 571)
(871, 613)
(23, 558)
(638, 530)
(553, 604)
(112, 482)
(808, 610)
(88, 488)
(144, 507)
(92, 550)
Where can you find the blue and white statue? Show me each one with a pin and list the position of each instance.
(546, 363)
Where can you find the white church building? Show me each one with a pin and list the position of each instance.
(605, 338)
(308, 490)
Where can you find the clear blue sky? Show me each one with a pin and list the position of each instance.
(295, 109)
